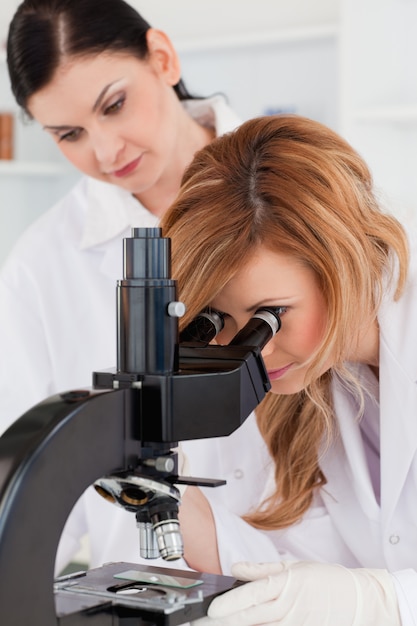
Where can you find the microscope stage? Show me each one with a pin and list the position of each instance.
(118, 592)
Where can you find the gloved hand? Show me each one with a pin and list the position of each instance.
(307, 593)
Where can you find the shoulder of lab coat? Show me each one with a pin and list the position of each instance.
(44, 285)
(396, 317)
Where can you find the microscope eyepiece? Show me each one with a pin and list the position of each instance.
(204, 327)
(262, 326)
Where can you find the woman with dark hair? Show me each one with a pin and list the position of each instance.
(71, 29)
(282, 213)
(107, 88)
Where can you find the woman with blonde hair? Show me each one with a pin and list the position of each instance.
(282, 213)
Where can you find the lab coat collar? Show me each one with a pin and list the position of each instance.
(111, 210)
(214, 113)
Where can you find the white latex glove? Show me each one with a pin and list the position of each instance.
(306, 594)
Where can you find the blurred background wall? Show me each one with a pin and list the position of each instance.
(347, 63)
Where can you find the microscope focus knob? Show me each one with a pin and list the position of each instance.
(176, 309)
(164, 464)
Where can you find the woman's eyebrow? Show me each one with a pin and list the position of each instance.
(263, 303)
(55, 128)
(102, 95)
(96, 105)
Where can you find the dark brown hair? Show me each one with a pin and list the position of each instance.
(42, 32)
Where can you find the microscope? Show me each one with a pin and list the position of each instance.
(122, 435)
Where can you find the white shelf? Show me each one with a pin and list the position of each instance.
(291, 35)
(28, 168)
(388, 114)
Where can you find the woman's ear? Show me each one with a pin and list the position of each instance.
(163, 56)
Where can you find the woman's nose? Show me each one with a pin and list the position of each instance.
(107, 147)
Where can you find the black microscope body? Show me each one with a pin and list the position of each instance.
(122, 435)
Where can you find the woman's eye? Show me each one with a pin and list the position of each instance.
(277, 310)
(280, 310)
(71, 135)
(114, 107)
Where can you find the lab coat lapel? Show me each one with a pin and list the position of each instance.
(348, 494)
(348, 447)
(398, 395)
(398, 392)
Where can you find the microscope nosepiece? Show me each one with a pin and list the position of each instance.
(164, 517)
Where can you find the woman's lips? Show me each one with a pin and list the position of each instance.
(275, 374)
(127, 169)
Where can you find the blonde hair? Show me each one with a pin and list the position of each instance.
(292, 186)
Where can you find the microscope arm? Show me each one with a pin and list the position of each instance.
(44, 468)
